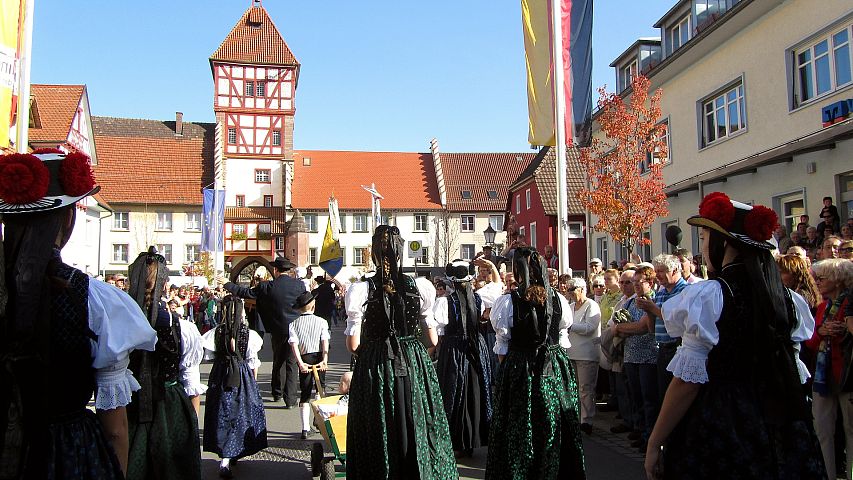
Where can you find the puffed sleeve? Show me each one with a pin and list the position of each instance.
(191, 357)
(692, 315)
(427, 291)
(501, 319)
(803, 330)
(120, 327)
(565, 322)
(208, 342)
(439, 311)
(252, 349)
(490, 292)
(354, 301)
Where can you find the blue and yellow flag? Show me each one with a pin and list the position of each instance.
(331, 257)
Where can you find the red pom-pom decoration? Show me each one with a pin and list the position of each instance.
(23, 178)
(718, 207)
(47, 150)
(760, 223)
(75, 175)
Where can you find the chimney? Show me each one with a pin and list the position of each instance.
(179, 123)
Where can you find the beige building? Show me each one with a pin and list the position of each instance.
(744, 85)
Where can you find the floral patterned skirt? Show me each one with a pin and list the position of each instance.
(396, 427)
(535, 430)
(78, 449)
(235, 424)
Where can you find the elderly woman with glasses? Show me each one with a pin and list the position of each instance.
(833, 384)
(583, 335)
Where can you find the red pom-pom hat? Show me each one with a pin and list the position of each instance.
(44, 180)
(751, 225)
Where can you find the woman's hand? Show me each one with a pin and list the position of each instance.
(653, 462)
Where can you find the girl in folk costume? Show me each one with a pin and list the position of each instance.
(162, 421)
(309, 339)
(535, 430)
(65, 336)
(464, 364)
(397, 427)
(735, 408)
(235, 425)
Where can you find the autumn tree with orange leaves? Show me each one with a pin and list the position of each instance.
(625, 197)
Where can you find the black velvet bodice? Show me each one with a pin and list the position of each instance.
(731, 359)
(455, 325)
(403, 307)
(242, 337)
(530, 331)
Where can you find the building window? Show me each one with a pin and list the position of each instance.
(424, 256)
(467, 223)
(492, 194)
(276, 138)
(192, 253)
(724, 114)
(343, 222)
(238, 228)
(313, 256)
(532, 242)
(421, 222)
(358, 255)
(521, 233)
(518, 203)
(645, 247)
(310, 221)
(343, 255)
(165, 249)
(466, 195)
(791, 205)
(575, 229)
(663, 227)
(119, 253)
(627, 74)
(264, 230)
(261, 89)
(250, 89)
(823, 66)
(678, 35)
(232, 136)
(527, 198)
(192, 221)
(164, 221)
(268, 200)
(386, 219)
(467, 251)
(359, 223)
(279, 243)
(496, 222)
(241, 201)
(262, 175)
(708, 11)
(601, 249)
(658, 157)
(121, 221)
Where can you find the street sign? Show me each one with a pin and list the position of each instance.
(415, 249)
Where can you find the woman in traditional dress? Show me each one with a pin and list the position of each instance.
(66, 336)
(535, 431)
(464, 367)
(397, 426)
(162, 420)
(735, 407)
(235, 424)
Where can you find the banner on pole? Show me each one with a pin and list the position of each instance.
(331, 256)
(213, 228)
(11, 34)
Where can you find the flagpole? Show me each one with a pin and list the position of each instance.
(560, 136)
(23, 115)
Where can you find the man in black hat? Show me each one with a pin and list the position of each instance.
(275, 299)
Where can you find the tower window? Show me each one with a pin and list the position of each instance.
(250, 89)
(276, 137)
(262, 175)
(232, 136)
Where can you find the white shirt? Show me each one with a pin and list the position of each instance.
(585, 332)
(252, 348)
(356, 297)
(501, 318)
(191, 356)
(307, 331)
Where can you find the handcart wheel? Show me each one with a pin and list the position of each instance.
(316, 459)
(328, 472)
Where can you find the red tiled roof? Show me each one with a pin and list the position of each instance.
(276, 215)
(543, 171)
(143, 161)
(406, 180)
(479, 173)
(56, 106)
(255, 40)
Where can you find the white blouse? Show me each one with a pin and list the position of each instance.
(501, 318)
(693, 314)
(490, 292)
(585, 334)
(356, 297)
(441, 315)
(252, 349)
(121, 327)
(191, 357)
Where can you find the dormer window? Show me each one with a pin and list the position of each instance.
(466, 195)
(677, 35)
(708, 11)
(493, 194)
(627, 74)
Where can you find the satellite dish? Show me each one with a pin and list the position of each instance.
(673, 235)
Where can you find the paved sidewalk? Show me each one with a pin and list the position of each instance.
(608, 456)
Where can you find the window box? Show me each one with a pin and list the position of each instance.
(238, 236)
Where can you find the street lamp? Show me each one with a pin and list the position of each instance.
(489, 234)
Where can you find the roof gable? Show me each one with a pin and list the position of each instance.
(406, 180)
(543, 171)
(55, 107)
(255, 40)
(478, 174)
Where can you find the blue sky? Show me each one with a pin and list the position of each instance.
(376, 74)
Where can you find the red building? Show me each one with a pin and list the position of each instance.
(532, 206)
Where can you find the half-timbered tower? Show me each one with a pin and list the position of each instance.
(255, 76)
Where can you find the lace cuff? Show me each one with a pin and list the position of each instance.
(501, 343)
(115, 387)
(253, 362)
(191, 380)
(803, 371)
(689, 366)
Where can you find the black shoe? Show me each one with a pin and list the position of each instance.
(304, 434)
(621, 428)
(634, 435)
(225, 472)
(586, 428)
(276, 398)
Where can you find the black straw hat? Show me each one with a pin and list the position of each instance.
(751, 225)
(46, 179)
(283, 264)
(304, 298)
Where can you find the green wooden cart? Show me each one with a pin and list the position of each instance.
(334, 431)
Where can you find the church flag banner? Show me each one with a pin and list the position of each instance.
(331, 257)
(10, 36)
(574, 44)
(213, 228)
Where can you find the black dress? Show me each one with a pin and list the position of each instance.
(730, 430)
(465, 376)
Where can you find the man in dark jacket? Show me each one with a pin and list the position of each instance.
(275, 299)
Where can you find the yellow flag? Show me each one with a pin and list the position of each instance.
(9, 35)
(536, 22)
